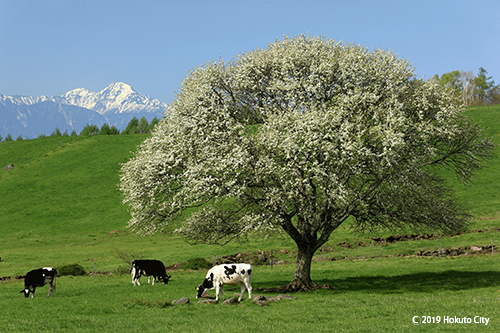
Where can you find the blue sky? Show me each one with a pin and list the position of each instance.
(48, 47)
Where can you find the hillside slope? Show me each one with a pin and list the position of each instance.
(71, 189)
(60, 198)
(483, 195)
(61, 204)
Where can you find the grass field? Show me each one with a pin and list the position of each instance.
(372, 296)
(60, 205)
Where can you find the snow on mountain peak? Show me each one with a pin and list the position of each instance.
(77, 91)
(118, 97)
(120, 86)
(116, 93)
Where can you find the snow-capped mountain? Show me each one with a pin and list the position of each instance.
(116, 105)
(118, 97)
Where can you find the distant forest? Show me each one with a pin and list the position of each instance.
(473, 90)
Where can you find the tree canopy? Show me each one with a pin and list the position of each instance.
(297, 138)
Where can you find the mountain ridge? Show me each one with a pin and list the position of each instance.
(116, 105)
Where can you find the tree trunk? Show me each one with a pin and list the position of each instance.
(302, 276)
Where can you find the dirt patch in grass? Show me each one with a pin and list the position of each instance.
(403, 238)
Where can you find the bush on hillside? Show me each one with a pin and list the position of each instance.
(197, 264)
(72, 269)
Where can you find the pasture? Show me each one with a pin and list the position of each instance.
(60, 205)
(372, 296)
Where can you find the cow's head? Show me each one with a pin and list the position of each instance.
(26, 292)
(207, 284)
(200, 290)
(166, 278)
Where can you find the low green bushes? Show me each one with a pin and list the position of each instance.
(197, 264)
(71, 269)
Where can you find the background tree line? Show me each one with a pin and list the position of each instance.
(473, 90)
(135, 126)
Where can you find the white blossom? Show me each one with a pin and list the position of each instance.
(298, 137)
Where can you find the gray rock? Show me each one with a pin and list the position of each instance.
(283, 296)
(208, 301)
(261, 303)
(257, 298)
(183, 300)
(231, 301)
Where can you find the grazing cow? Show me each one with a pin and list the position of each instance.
(150, 268)
(38, 278)
(232, 274)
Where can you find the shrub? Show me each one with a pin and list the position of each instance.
(128, 257)
(197, 264)
(72, 269)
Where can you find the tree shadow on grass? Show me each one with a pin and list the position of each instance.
(424, 282)
(416, 282)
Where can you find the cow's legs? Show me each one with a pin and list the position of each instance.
(133, 275)
(52, 287)
(217, 291)
(249, 288)
(242, 292)
(136, 280)
(222, 291)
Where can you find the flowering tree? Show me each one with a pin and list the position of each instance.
(298, 137)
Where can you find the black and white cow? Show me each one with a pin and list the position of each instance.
(38, 278)
(150, 268)
(232, 274)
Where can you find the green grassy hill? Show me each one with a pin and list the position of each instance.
(483, 195)
(70, 191)
(60, 195)
(60, 204)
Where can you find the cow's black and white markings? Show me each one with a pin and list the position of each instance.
(232, 274)
(149, 268)
(38, 278)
